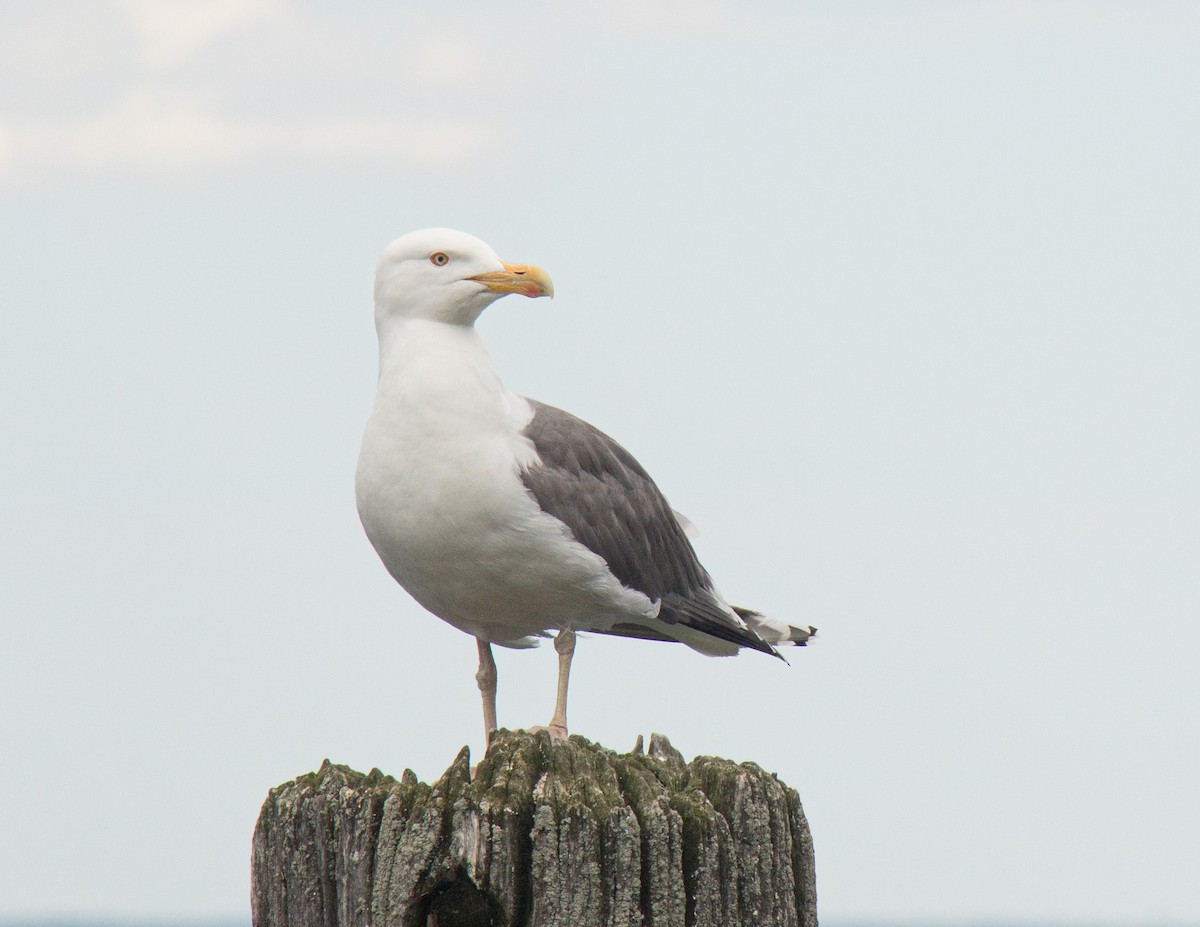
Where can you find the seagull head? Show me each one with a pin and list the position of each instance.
(448, 276)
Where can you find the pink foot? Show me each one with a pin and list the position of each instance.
(556, 731)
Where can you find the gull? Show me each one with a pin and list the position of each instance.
(508, 518)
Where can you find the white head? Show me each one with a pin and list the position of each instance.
(448, 276)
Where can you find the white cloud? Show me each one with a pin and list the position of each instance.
(459, 58)
(172, 30)
(189, 87)
(146, 136)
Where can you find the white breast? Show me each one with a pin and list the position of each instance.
(440, 497)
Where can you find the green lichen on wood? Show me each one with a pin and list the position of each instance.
(662, 891)
(314, 854)
(585, 843)
(708, 861)
(545, 834)
(755, 806)
(803, 865)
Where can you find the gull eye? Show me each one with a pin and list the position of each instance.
(440, 258)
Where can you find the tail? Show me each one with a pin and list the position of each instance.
(773, 630)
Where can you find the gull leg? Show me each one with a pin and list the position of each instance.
(486, 678)
(564, 643)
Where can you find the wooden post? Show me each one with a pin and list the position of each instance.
(546, 835)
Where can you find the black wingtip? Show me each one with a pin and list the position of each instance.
(753, 642)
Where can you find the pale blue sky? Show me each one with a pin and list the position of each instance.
(900, 303)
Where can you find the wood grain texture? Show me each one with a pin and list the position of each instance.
(546, 835)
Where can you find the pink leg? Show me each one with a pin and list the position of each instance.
(486, 678)
(564, 643)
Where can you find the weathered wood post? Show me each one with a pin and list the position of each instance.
(546, 835)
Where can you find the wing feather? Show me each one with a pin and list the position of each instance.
(612, 506)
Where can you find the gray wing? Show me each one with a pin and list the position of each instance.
(597, 488)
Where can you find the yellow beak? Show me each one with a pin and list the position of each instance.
(525, 279)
